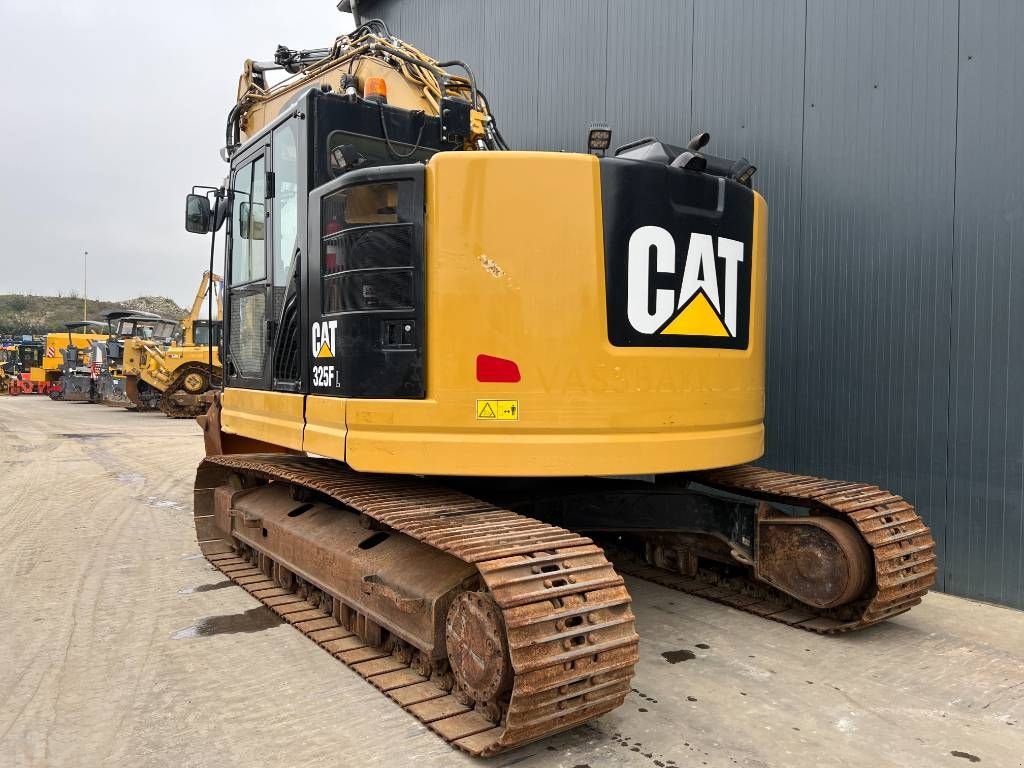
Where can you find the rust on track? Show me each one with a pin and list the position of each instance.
(900, 544)
(565, 613)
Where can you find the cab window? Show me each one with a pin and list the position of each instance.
(248, 224)
(285, 200)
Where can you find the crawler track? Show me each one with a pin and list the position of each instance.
(176, 410)
(566, 613)
(902, 548)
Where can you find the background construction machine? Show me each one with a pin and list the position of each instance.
(66, 348)
(7, 366)
(174, 378)
(106, 356)
(76, 382)
(449, 373)
(27, 356)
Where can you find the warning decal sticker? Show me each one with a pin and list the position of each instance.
(497, 410)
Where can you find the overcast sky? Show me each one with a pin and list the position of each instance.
(111, 111)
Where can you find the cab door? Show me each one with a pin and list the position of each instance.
(250, 406)
(248, 290)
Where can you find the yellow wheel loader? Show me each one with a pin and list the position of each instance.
(174, 378)
(465, 388)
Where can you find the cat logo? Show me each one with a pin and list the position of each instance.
(324, 336)
(701, 301)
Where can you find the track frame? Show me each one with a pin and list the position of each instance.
(566, 614)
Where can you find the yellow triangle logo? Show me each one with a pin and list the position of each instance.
(698, 318)
(487, 411)
(325, 351)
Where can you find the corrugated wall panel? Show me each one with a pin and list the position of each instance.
(459, 26)
(886, 137)
(513, 70)
(401, 15)
(985, 547)
(649, 69)
(748, 65)
(573, 70)
(873, 278)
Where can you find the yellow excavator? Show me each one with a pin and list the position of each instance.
(173, 378)
(466, 388)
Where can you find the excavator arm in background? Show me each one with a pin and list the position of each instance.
(210, 282)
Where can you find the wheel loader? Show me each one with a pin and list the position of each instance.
(467, 388)
(175, 377)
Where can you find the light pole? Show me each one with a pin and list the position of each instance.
(85, 287)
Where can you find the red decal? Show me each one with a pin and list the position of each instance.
(496, 369)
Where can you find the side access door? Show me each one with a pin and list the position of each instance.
(366, 289)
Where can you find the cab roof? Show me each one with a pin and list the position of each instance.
(120, 314)
(85, 324)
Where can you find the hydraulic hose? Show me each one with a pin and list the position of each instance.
(469, 74)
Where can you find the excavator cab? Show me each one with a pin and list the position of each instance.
(206, 333)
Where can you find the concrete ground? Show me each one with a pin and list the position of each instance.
(119, 645)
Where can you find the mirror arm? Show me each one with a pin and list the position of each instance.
(209, 304)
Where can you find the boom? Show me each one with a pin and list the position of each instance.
(209, 282)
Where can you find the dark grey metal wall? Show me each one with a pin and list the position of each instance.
(888, 141)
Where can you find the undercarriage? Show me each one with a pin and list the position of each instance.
(494, 620)
(78, 387)
(183, 397)
(821, 555)
(110, 390)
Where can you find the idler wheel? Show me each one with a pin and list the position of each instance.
(477, 647)
(820, 561)
(194, 383)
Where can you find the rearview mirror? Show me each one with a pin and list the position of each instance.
(197, 214)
